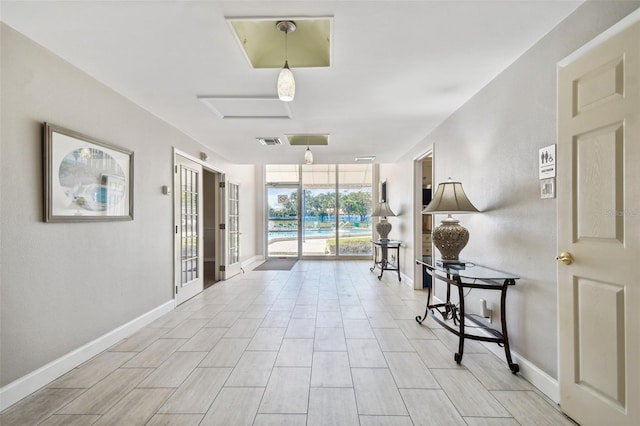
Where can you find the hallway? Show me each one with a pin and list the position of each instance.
(326, 343)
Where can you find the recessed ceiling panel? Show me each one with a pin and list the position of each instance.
(307, 140)
(247, 107)
(264, 45)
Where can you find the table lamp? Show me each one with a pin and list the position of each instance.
(383, 227)
(450, 237)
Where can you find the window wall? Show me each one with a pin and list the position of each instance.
(319, 209)
(332, 216)
(355, 207)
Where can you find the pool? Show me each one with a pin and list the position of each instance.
(329, 233)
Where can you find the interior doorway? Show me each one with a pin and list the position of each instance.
(210, 191)
(423, 223)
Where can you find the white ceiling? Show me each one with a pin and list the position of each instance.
(399, 68)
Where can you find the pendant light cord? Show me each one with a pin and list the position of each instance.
(286, 46)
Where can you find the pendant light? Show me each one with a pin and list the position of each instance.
(286, 82)
(308, 156)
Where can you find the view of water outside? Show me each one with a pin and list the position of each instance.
(320, 230)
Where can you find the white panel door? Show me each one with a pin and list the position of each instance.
(599, 225)
(189, 226)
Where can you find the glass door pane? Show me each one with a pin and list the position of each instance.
(234, 224)
(319, 210)
(189, 241)
(282, 221)
(355, 207)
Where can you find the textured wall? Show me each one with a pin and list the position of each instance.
(491, 145)
(64, 285)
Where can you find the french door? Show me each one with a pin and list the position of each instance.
(232, 197)
(189, 225)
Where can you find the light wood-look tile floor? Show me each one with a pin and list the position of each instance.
(326, 343)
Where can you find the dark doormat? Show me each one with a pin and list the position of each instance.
(277, 265)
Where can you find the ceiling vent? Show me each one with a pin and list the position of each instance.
(270, 141)
(365, 159)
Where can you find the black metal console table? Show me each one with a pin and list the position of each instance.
(382, 247)
(469, 276)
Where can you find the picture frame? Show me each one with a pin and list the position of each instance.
(85, 180)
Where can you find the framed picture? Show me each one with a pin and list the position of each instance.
(85, 179)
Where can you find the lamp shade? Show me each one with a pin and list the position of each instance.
(286, 84)
(450, 198)
(383, 210)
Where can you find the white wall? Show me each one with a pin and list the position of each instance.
(64, 285)
(491, 145)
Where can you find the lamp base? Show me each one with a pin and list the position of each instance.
(383, 227)
(450, 238)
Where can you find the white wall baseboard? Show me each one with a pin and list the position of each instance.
(534, 375)
(531, 372)
(248, 264)
(26, 385)
(406, 280)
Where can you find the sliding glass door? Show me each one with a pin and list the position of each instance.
(282, 221)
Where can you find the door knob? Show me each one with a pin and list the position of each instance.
(565, 257)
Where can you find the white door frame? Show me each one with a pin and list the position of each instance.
(417, 213)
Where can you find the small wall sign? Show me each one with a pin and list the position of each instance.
(547, 162)
(548, 188)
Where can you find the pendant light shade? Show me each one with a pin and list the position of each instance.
(286, 84)
(308, 156)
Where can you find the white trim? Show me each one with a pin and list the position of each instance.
(417, 216)
(617, 28)
(204, 164)
(248, 264)
(531, 372)
(24, 386)
(406, 280)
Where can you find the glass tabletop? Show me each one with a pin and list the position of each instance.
(387, 242)
(467, 270)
